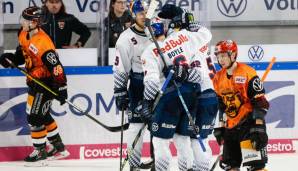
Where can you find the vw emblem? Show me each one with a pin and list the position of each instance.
(231, 8)
(255, 53)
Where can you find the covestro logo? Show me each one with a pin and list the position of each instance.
(94, 153)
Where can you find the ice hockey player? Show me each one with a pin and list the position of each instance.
(169, 117)
(38, 53)
(207, 109)
(128, 66)
(242, 99)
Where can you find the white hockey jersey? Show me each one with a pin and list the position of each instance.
(129, 48)
(182, 45)
(207, 68)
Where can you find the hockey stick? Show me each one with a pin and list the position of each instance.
(129, 152)
(191, 121)
(215, 163)
(121, 141)
(153, 5)
(88, 114)
(268, 69)
(218, 158)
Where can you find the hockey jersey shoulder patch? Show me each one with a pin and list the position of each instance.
(258, 85)
(52, 58)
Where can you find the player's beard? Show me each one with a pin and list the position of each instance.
(141, 25)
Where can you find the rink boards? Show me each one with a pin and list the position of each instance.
(92, 89)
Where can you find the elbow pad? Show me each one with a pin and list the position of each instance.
(260, 107)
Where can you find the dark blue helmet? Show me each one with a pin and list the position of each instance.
(137, 6)
(157, 27)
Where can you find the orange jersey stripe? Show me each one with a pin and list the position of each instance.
(30, 100)
(51, 127)
(39, 134)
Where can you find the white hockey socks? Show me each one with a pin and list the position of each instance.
(134, 158)
(202, 160)
(184, 152)
(162, 154)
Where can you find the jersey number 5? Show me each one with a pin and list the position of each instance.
(134, 41)
(116, 61)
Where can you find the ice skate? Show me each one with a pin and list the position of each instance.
(57, 151)
(37, 158)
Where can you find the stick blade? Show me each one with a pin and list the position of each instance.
(147, 164)
(152, 7)
(118, 128)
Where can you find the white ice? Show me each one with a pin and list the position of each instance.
(284, 162)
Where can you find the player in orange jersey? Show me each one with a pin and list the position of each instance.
(38, 53)
(242, 100)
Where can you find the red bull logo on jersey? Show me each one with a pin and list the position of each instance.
(170, 44)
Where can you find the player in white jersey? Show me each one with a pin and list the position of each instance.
(207, 108)
(207, 105)
(128, 66)
(169, 116)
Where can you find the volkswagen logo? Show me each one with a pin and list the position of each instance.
(255, 53)
(231, 8)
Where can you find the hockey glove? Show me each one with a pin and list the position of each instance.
(258, 136)
(3, 60)
(62, 95)
(146, 114)
(121, 96)
(219, 135)
(180, 73)
(194, 26)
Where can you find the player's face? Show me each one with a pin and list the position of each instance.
(28, 25)
(140, 18)
(25, 24)
(224, 60)
(54, 6)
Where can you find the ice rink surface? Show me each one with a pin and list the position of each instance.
(285, 162)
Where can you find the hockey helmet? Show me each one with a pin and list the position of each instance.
(157, 26)
(182, 21)
(226, 46)
(180, 18)
(137, 6)
(35, 14)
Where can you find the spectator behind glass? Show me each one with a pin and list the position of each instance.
(118, 20)
(60, 26)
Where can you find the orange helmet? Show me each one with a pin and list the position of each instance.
(226, 46)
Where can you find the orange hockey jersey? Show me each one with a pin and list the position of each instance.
(33, 49)
(234, 92)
